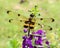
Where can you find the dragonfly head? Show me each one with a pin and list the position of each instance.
(32, 15)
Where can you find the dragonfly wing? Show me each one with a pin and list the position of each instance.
(42, 23)
(46, 20)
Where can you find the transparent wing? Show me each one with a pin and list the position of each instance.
(45, 20)
(42, 23)
(39, 22)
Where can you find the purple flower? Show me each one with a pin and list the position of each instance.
(25, 30)
(24, 37)
(40, 32)
(30, 37)
(47, 42)
(27, 42)
(38, 42)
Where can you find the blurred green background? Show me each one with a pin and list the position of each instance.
(48, 8)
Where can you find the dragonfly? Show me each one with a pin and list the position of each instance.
(32, 23)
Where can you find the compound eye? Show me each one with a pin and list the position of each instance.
(32, 15)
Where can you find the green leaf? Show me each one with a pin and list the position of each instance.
(14, 43)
